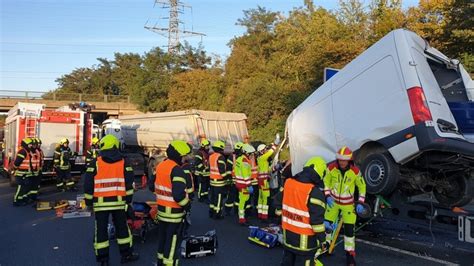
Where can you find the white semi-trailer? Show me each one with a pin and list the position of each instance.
(144, 137)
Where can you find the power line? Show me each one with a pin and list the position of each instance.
(173, 32)
(31, 72)
(42, 52)
(73, 45)
(28, 77)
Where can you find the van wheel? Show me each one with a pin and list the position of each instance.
(381, 173)
(459, 193)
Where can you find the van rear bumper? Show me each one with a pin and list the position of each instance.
(429, 140)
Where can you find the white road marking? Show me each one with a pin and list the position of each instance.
(405, 252)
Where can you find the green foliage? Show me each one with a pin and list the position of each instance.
(276, 63)
(199, 89)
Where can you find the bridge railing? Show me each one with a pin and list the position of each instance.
(55, 96)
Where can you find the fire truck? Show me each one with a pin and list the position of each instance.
(34, 120)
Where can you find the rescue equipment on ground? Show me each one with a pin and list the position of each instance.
(268, 237)
(141, 218)
(199, 246)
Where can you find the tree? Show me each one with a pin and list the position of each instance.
(278, 61)
(428, 20)
(384, 16)
(198, 89)
(78, 81)
(259, 20)
(353, 15)
(193, 58)
(102, 78)
(459, 29)
(448, 25)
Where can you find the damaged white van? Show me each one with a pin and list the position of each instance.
(408, 113)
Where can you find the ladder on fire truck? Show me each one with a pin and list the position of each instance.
(31, 124)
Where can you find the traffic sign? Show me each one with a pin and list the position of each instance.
(329, 73)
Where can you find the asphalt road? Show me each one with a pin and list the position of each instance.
(30, 237)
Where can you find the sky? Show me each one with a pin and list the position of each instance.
(44, 39)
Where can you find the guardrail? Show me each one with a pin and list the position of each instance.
(55, 96)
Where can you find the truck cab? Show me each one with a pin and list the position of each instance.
(113, 127)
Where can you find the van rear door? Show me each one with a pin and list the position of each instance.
(444, 122)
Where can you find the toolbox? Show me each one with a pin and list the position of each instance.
(199, 246)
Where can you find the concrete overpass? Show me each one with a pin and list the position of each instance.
(105, 105)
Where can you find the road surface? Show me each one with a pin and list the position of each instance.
(30, 237)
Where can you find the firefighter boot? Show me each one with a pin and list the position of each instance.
(129, 258)
(103, 262)
(350, 258)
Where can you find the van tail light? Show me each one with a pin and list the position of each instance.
(419, 107)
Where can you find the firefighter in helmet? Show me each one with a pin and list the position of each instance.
(339, 188)
(108, 189)
(93, 152)
(24, 166)
(62, 166)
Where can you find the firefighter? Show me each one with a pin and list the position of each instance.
(62, 166)
(303, 214)
(93, 152)
(189, 188)
(108, 189)
(36, 177)
(264, 172)
(24, 166)
(339, 188)
(201, 161)
(232, 193)
(218, 179)
(285, 173)
(243, 182)
(187, 168)
(172, 200)
(254, 181)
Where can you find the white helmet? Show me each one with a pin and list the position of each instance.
(261, 147)
(248, 149)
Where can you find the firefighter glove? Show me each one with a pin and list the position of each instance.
(250, 190)
(330, 201)
(329, 226)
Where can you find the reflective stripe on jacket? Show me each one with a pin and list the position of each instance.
(163, 188)
(214, 165)
(254, 170)
(110, 179)
(217, 163)
(295, 213)
(264, 167)
(28, 165)
(243, 172)
(40, 157)
(342, 188)
(189, 178)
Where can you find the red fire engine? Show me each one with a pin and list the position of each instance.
(33, 120)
